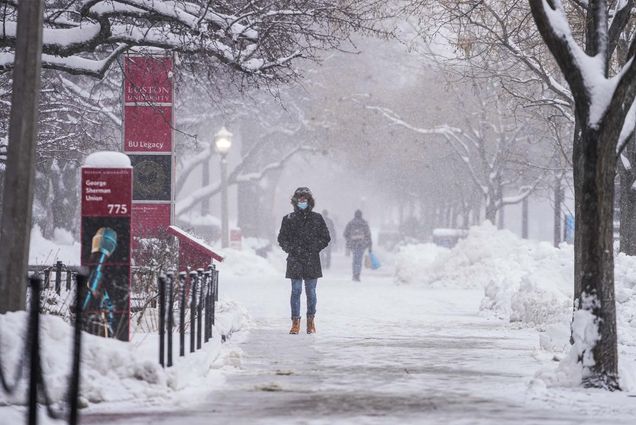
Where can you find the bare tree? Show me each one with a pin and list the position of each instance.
(487, 143)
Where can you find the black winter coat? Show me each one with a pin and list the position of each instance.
(358, 234)
(303, 234)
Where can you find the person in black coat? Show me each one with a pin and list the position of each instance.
(303, 234)
(358, 237)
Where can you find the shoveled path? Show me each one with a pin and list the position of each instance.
(383, 354)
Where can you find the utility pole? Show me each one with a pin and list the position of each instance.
(15, 224)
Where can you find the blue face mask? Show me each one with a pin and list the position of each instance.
(302, 205)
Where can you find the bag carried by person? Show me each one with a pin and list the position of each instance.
(375, 263)
(371, 261)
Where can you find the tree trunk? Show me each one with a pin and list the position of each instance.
(524, 218)
(558, 202)
(15, 226)
(627, 198)
(491, 211)
(594, 170)
(501, 218)
(465, 216)
(454, 211)
(477, 214)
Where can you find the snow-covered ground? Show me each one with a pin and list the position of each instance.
(473, 335)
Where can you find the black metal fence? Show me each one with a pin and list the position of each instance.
(31, 351)
(197, 292)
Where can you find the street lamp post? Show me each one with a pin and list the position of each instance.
(223, 143)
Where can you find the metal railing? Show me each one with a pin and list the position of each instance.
(197, 292)
(32, 351)
(192, 296)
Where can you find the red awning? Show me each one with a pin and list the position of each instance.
(187, 241)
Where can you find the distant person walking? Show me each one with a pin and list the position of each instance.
(325, 254)
(303, 234)
(358, 237)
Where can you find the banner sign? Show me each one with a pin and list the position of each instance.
(147, 138)
(148, 79)
(106, 242)
(148, 129)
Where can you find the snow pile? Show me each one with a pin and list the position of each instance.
(46, 252)
(496, 260)
(113, 370)
(413, 262)
(245, 263)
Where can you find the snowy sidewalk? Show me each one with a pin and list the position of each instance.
(383, 354)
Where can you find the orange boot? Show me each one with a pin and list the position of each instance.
(311, 326)
(295, 327)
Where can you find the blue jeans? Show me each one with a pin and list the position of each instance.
(297, 289)
(358, 254)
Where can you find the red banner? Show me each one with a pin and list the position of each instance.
(148, 79)
(106, 192)
(148, 129)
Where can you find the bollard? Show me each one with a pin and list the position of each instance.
(193, 309)
(170, 314)
(215, 292)
(47, 278)
(182, 307)
(58, 277)
(34, 352)
(69, 277)
(216, 283)
(162, 320)
(208, 310)
(201, 285)
(74, 390)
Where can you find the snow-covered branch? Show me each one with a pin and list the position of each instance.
(257, 38)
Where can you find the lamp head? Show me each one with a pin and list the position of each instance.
(223, 141)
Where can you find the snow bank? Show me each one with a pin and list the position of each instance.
(496, 260)
(415, 263)
(118, 371)
(245, 263)
(46, 252)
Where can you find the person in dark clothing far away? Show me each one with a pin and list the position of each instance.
(358, 237)
(325, 254)
(303, 234)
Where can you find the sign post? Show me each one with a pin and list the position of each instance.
(148, 140)
(106, 243)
